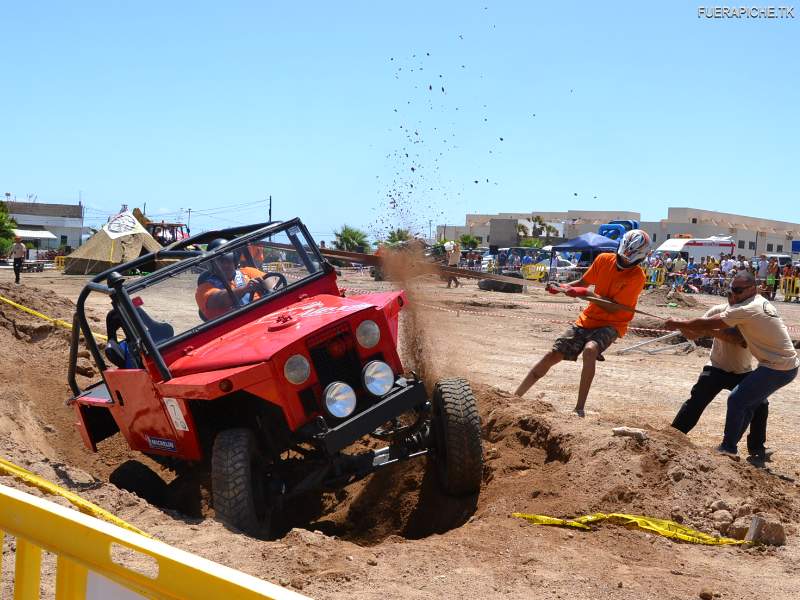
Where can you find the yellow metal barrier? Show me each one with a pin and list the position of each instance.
(655, 276)
(790, 287)
(97, 560)
(534, 272)
(59, 262)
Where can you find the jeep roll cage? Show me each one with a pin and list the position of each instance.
(112, 283)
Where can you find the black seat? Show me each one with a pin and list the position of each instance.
(159, 330)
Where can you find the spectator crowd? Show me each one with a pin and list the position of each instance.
(713, 275)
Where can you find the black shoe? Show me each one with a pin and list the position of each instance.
(764, 456)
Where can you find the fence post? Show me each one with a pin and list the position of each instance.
(26, 570)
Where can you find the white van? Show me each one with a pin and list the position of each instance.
(783, 259)
(697, 248)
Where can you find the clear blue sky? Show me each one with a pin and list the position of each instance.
(216, 104)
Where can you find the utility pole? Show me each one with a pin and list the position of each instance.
(189, 220)
(430, 230)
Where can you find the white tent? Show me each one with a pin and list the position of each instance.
(34, 234)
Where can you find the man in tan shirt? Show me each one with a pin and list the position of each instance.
(769, 342)
(729, 364)
(18, 252)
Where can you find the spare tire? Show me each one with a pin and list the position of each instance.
(501, 286)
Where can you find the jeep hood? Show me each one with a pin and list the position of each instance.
(259, 340)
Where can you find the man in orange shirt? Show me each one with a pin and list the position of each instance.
(616, 277)
(246, 284)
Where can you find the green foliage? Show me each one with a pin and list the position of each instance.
(539, 227)
(399, 235)
(350, 239)
(5, 246)
(532, 243)
(468, 241)
(6, 223)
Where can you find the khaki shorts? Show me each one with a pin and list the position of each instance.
(574, 340)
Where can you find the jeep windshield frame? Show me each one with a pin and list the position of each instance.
(113, 283)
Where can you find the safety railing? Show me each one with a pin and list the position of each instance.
(655, 276)
(97, 560)
(534, 272)
(790, 288)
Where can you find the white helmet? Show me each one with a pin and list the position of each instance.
(633, 248)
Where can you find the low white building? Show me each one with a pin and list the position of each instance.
(64, 223)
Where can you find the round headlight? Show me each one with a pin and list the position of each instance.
(296, 370)
(368, 334)
(340, 399)
(378, 378)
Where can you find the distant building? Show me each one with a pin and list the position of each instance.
(751, 234)
(480, 225)
(48, 225)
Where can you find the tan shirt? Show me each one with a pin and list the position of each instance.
(725, 355)
(766, 335)
(18, 250)
(454, 257)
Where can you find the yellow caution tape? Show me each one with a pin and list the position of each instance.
(82, 505)
(662, 527)
(58, 322)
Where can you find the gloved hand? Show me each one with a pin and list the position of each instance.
(576, 292)
(554, 288)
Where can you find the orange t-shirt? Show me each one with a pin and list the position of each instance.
(622, 286)
(209, 288)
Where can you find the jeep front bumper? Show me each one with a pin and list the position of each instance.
(405, 396)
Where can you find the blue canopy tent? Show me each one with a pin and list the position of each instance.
(588, 244)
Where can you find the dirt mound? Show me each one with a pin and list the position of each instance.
(545, 462)
(665, 297)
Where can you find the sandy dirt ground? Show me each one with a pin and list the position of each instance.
(393, 535)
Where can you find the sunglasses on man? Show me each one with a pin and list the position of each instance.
(738, 290)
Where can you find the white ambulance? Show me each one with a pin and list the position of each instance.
(697, 248)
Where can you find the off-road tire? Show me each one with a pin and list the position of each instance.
(458, 450)
(141, 480)
(238, 482)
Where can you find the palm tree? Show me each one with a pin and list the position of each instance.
(350, 239)
(398, 235)
(522, 230)
(7, 225)
(538, 225)
(468, 241)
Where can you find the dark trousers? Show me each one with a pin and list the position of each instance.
(710, 383)
(17, 268)
(750, 395)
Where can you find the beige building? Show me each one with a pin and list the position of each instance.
(479, 224)
(751, 234)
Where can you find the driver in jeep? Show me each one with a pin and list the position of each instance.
(245, 284)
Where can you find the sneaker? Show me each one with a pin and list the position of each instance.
(757, 461)
(765, 456)
(579, 412)
(726, 452)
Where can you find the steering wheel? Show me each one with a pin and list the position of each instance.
(282, 281)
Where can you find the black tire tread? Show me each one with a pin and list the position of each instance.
(461, 470)
(231, 480)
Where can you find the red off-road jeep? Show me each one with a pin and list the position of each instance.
(238, 354)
